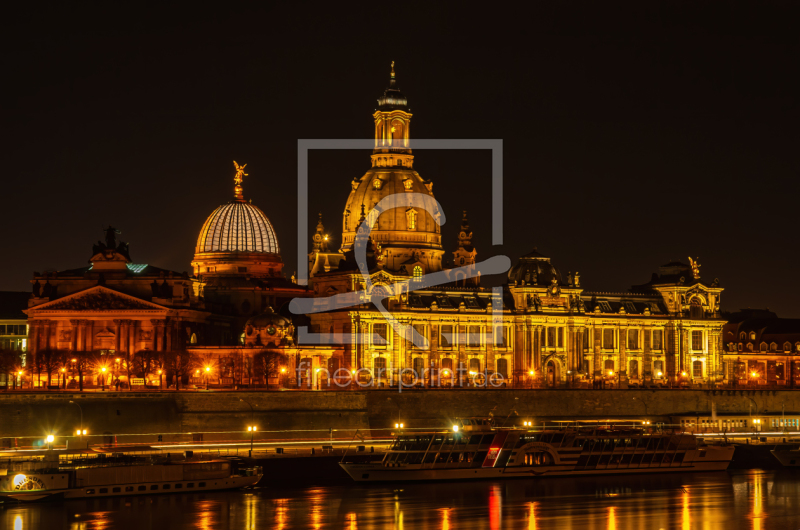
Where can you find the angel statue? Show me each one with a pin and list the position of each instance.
(695, 267)
(239, 172)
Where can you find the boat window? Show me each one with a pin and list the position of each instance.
(679, 457)
(115, 490)
(190, 485)
(167, 486)
(429, 458)
(128, 488)
(154, 487)
(475, 439)
(661, 444)
(605, 459)
(178, 486)
(441, 457)
(90, 492)
(202, 485)
(487, 439)
(142, 488)
(454, 457)
(557, 438)
(546, 437)
(103, 490)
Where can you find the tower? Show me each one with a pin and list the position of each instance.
(464, 256)
(409, 236)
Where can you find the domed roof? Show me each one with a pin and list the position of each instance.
(238, 227)
(534, 268)
(268, 318)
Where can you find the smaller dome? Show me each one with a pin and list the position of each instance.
(268, 329)
(238, 227)
(534, 268)
(268, 318)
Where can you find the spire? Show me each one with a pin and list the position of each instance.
(392, 98)
(392, 70)
(465, 235)
(237, 180)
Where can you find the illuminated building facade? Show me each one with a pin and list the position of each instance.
(542, 328)
(762, 349)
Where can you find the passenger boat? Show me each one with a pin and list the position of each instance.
(71, 476)
(475, 449)
(787, 455)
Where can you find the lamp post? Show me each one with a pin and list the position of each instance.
(531, 373)
(64, 376)
(103, 384)
(251, 428)
(50, 439)
(81, 409)
(208, 369)
(281, 383)
(160, 381)
(21, 381)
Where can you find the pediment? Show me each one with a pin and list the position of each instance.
(98, 298)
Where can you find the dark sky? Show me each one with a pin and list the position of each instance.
(632, 136)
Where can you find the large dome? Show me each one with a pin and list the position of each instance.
(534, 268)
(237, 227)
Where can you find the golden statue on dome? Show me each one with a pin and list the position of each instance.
(695, 265)
(237, 179)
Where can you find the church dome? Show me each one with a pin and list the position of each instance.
(238, 227)
(237, 239)
(534, 268)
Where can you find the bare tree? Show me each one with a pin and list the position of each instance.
(180, 363)
(9, 365)
(268, 363)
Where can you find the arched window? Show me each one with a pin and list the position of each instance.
(773, 347)
(474, 365)
(752, 335)
(502, 367)
(379, 367)
(417, 272)
(608, 366)
(411, 219)
(763, 346)
(634, 371)
(193, 339)
(697, 369)
(787, 346)
(447, 364)
(742, 335)
(749, 346)
(419, 367)
(740, 346)
(696, 309)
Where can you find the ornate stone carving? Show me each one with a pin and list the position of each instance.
(98, 301)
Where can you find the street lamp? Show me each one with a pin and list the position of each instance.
(531, 373)
(103, 384)
(81, 409)
(50, 439)
(252, 429)
(318, 379)
(208, 369)
(160, 381)
(64, 376)
(21, 381)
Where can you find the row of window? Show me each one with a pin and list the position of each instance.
(474, 365)
(153, 487)
(13, 329)
(447, 337)
(764, 348)
(658, 368)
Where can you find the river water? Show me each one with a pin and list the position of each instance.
(724, 500)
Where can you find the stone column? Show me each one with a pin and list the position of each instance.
(34, 336)
(131, 335)
(169, 343)
(623, 355)
(158, 334)
(598, 352)
(647, 359)
(537, 348)
(89, 335)
(73, 334)
(117, 341)
(519, 347)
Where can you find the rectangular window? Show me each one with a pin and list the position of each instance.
(115, 490)
(560, 337)
(128, 488)
(420, 328)
(658, 335)
(551, 337)
(633, 339)
(501, 337)
(201, 485)
(190, 485)
(697, 369)
(103, 490)
(608, 339)
(474, 337)
(585, 340)
(154, 487)
(446, 337)
(141, 488)
(697, 340)
(379, 335)
(605, 307)
(178, 486)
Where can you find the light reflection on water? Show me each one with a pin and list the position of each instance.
(753, 501)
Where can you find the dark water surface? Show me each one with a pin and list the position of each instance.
(747, 499)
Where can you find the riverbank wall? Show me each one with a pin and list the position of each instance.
(293, 414)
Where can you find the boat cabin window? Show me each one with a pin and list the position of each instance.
(103, 490)
(202, 485)
(557, 438)
(154, 487)
(178, 486)
(142, 488)
(128, 488)
(487, 439)
(546, 437)
(115, 490)
(190, 485)
(475, 439)
(167, 486)
(90, 492)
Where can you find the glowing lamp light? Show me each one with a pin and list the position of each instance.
(63, 369)
(455, 428)
(50, 438)
(197, 371)
(754, 374)
(74, 360)
(401, 425)
(660, 374)
(531, 373)
(116, 360)
(84, 432)
(283, 369)
(208, 369)
(103, 369)
(159, 372)
(683, 374)
(445, 372)
(317, 370)
(610, 372)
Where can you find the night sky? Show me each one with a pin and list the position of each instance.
(632, 137)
